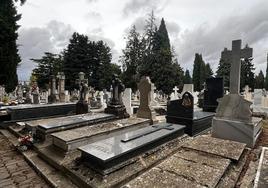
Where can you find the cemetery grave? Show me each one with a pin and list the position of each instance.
(182, 112)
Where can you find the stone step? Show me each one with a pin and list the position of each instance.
(74, 138)
(261, 180)
(54, 177)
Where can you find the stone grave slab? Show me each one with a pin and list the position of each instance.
(190, 167)
(225, 148)
(74, 138)
(33, 111)
(261, 180)
(182, 112)
(48, 126)
(105, 156)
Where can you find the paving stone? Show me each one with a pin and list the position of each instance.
(156, 177)
(225, 148)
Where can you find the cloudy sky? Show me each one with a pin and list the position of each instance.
(202, 26)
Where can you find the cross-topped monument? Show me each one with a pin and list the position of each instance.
(233, 119)
(237, 54)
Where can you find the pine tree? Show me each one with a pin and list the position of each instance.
(78, 57)
(9, 57)
(259, 81)
(49, 64)
(187, 77)
(132, 59)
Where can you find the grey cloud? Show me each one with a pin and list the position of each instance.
(33, 42)
(92, 15)
(136, 6)
(251, 26)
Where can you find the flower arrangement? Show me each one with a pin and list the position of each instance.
(25, 142)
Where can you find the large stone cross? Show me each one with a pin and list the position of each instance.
(237, 54)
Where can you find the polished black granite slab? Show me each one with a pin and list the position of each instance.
(107, 155)
(31, 111)
(182, 112)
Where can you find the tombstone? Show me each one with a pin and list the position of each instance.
(19, 93)
(213, 91)
(115, 105)
(257, 99)
(35, 93)
(174, 95)
(153, 101)
(145, 88)
(127, 100)
(52, 98)
(82, 105)
(101, 97)
(182, 112)
(2, 93)
(187, 87)
(233, 119)
(110, 154)
(61, 89)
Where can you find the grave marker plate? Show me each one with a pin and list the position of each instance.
(106, 155)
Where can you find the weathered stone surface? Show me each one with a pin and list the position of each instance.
(239, 131)
(225, 148)
(261, 180)
(157, 177)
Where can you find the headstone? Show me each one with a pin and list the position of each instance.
(257, 100)
(35, 93)
(233, 120)
(182, 112)
(82, 105)
(213, 91)
(127, 100)
(187, 87)
(153, 101)
(116, 106)
(108, 155)
(101, 96)
(174, 95)
(145, 88)
(61, 91)
(19, 93)
(2, 93)
(52, 98)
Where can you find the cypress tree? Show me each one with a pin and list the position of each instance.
(9, 57)
(223, 71)
(196, 72)
(259, 81)
(187, 77)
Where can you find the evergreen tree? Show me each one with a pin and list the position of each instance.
(208, 71)
(147, 45)
(132, 58)
(187, 77)
(162, 68)
(9, 57)
(223, 71)
(266, 76)
(49, 64)
(247, 74)
(259, 81)
(196, 72)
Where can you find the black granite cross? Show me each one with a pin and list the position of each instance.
(156, 128)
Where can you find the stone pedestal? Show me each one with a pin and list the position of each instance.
(118, 110)
(81, 107)
(236, 130)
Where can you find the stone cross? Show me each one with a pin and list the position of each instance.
(237, 54)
